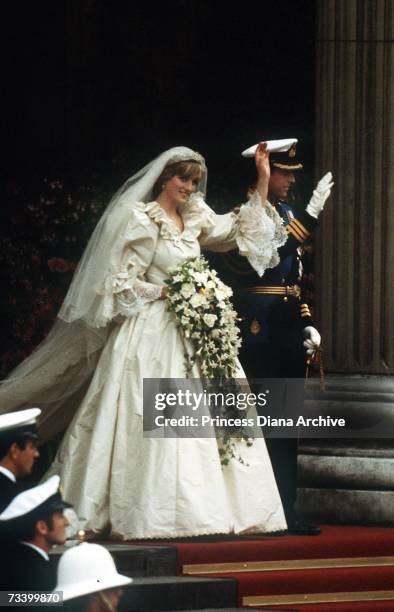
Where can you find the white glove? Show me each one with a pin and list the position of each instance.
(312, 339)
(320, 195)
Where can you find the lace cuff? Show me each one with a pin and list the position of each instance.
(125, 294)
(130, 301)
(260, 233)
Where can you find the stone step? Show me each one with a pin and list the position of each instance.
(352, 405)
(346, 507)
(355, 383)
(350, 480)
(134, 560)
(328, 472)
(179, 593)
(346, 395)
(361, 447)
(362, 417)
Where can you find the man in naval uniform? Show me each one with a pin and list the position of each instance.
(29, 527)
(18, 450)
(276, 324)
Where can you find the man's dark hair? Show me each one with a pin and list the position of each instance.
(26, 530)
(7, 441)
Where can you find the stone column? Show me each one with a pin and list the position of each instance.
(354, 129)
(349, 481)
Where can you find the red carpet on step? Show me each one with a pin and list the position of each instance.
(371, 606)
(312, 581)
(334, 541)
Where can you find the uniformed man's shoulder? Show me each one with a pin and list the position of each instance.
(28, 570)
(5, 480)
(8, 490)
(286, 205)
(287, 208)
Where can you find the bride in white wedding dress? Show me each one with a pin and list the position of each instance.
(115, 329)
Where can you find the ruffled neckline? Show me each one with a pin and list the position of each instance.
(158, 214)
(194, 216)
(168, 229)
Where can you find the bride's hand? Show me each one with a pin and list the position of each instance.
(262, 159)
(164, 292)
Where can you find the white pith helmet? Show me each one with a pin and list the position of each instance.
(87, 568)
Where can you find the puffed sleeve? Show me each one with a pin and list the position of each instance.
(257, 231)
(125, 292)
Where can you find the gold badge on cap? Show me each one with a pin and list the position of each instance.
(255, 327)
(292, 151)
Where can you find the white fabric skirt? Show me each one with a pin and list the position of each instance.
(156, 487)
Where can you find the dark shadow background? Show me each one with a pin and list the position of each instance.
(94, 89)
(95, 85)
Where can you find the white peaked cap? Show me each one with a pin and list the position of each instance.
(29, 500)
(87, 568)
(273, 146)
(12, 420)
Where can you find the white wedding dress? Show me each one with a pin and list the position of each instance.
(162, 488)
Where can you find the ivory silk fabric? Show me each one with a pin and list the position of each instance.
(163, 488)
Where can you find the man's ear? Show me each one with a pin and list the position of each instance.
(13, 451)
(42, 528)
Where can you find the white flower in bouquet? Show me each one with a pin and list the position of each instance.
(177, 278)
(197, 300)
(219, 294)
(201, 278)
(209, 319)
(187, 290)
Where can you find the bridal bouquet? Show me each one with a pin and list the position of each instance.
(202, 307)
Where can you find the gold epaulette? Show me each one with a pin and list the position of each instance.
(296, 229)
